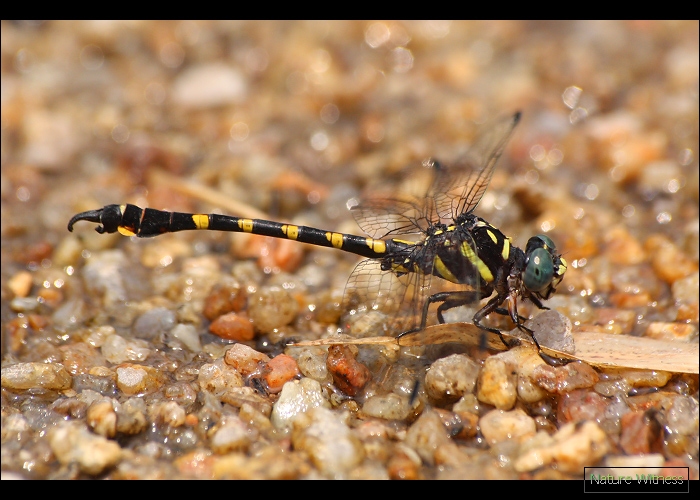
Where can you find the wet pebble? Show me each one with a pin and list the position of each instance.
(272, 307)
(198, 277)
(23, 376)
(245, 359)
(615, 321)
(468, 403)
(581, 405)
(328, 440)
(271, 462)
(375, 436)
(526, 360)
(311, 362)
(102, 418)
(497, 383)
(80, 358)
(571, 449)
(240, 396)
(20, 284)
(682, 416)
(638, 432)
(131, 416)
(276, 254)
(25, 304)
(278, 371)
(72, 443)
(154, 323)
(458, 427)
(228, 296)
(674, 332)
(552, 329)
(641, 378)
(405, 463)
(668, 261)
(567, 378)
(389, 407)
(103, 275)
(138, 379)
(117, 349)
(187, 334)
(685, 293)
(195, 464)
(207, 85)
(168, 413)
(96, 336)
(370, 471)
(258, 419)
(349, 375)
(426, 435)
(14, 426)
(183, 393)
(71, 406)
(296, 398)
(231, 434)
(448, 379)
(218, 377)
(612, 386)
(233, 326)
(622, 248)
(497, 426)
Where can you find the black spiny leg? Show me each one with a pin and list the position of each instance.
(504, 312)
(537, 302)
(456, 299)
(490, 307)
(449, 300)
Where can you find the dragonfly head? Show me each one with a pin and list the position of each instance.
(544, 267)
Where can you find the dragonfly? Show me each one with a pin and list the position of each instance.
(409, 241)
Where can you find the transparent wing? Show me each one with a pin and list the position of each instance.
(459, 188)
(384, 218)
(379, 302)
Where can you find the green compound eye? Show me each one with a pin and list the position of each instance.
(547, 241)
(539, 271)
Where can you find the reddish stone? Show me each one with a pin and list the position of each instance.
(349, 375)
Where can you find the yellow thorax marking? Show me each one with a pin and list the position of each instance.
(399, 268)
(443, 271)
(483, 269)
(505, 253)
(405, 242)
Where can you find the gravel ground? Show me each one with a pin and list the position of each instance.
(168, 357)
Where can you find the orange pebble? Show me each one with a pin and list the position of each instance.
(280, 370)
(349, 375)
(233, 326)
